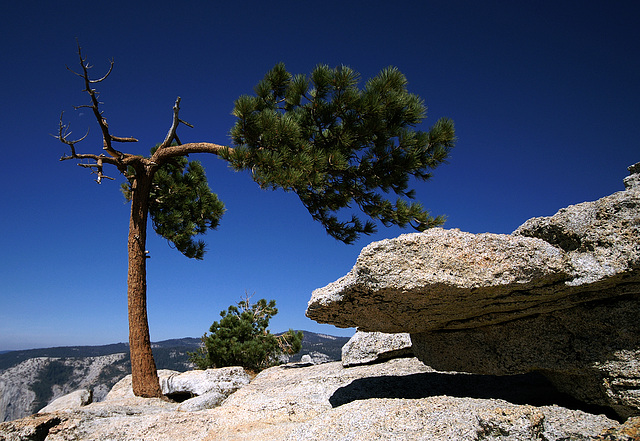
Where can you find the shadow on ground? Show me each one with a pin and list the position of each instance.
(532, 389)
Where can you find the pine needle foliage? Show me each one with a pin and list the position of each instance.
(338, 146)
(241, 338)
(181, 204)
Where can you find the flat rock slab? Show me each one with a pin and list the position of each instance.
(442, 279)
(448, 279)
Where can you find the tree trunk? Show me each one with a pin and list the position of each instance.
(143, 367)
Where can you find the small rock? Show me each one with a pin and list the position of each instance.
(633, 180)
(70, 401)
(370, 347)
(200, 382)
(208, 400)
(207, 388)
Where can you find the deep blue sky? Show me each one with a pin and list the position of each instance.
(544, 94)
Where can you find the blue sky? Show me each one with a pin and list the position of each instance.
(545, 97)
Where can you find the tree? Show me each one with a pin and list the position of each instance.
(320, 137)
(241, 338)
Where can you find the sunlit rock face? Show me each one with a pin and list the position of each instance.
(399, 399)
(559, 295)
(373, 347)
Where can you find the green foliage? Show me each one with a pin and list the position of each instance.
(181, 204)
(241, 338)
(337, 146)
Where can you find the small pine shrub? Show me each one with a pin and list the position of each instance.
(241, 338)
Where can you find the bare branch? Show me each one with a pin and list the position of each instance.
(105, 75)
(114, 157)
(171, 135)
(98, 169)
(120, 139)
(186, 123)
(63, 134)
(95, 104)
(73, 71)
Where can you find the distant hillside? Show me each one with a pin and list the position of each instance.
(30, 379)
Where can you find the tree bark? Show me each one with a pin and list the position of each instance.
(143, 368)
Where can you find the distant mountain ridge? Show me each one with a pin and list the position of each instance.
(30, 379)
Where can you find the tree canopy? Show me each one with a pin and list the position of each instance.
(338, 146)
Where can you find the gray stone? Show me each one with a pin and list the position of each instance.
(208, 388)
(629, 431)
(200, 382)
(448, 279)
(328, 401)
(207, 400)
(442, 279)
(591, 351)
(370, 347)
(633, 180)
(601, 239)
(559, 295)
(445, 418)
(70, 401)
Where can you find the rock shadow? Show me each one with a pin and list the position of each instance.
(525, 389)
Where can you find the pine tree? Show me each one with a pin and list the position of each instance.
(334, 145)
(241, 338)
(338, 146)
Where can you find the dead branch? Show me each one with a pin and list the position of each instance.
(98, 169)
(121, 139)
(172, 135)
(95, 106)
(170, 148)
(64, 133)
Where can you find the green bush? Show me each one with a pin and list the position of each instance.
(241, 338)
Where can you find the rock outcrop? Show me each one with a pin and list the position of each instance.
(18, 399)
(560, 295)
(401, 399)
(70, 401)
(372, 347)
(54, 372)
(194, 390)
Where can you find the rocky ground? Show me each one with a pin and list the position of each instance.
(400, 399)
(31, 379)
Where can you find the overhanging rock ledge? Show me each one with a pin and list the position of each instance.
(560, 295)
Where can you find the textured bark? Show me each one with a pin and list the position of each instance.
(143, 368)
